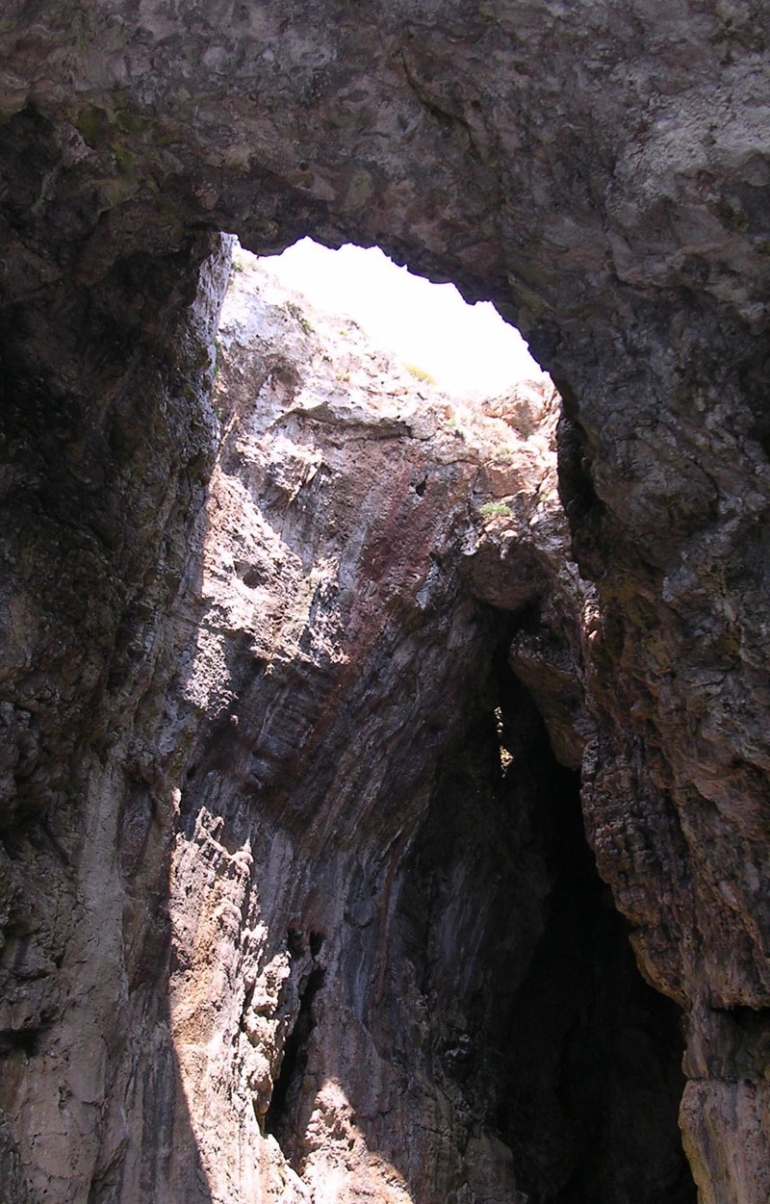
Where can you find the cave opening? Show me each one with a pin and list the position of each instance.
(468, 351)
(548, 1033)
(543, 1030)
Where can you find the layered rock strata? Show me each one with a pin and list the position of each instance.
(320, 923)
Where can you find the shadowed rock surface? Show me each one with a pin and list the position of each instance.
(602, 174)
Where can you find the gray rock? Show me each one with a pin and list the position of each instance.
(601, 173)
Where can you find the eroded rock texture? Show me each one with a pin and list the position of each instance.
(601, 172)
(322, 924)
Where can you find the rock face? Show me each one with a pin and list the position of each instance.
(347, 941)
(602, 174)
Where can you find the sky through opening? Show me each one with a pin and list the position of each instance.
(468, 349)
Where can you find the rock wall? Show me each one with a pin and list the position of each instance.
(312, 916)
(95, 524)
(602, 175)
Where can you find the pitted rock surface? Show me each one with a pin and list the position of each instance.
(601, 172)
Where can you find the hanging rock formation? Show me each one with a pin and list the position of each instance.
(602, 174)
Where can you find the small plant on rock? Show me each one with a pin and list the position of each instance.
(495, 510)
(421, 374)
(298, 315)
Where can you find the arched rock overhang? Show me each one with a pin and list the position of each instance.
(601, 173)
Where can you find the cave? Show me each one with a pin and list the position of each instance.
(546, 1030)
(441, 832)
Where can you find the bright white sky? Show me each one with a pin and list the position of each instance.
(469, 349)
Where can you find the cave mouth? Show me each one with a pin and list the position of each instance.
(551, 1034)
(468, 351)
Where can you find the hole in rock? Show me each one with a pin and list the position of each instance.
(24, 1040)
(467, 350)
(295, 1055)
(251, 578)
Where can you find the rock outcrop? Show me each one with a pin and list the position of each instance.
(602, 174)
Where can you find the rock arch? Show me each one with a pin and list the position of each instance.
(602, 176)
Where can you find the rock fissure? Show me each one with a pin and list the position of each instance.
(288, 1084)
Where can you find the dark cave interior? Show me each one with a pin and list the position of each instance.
(549, 1033)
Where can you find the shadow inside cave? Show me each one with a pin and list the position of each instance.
(542, 1032)
(103, 456)
(498, 982)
